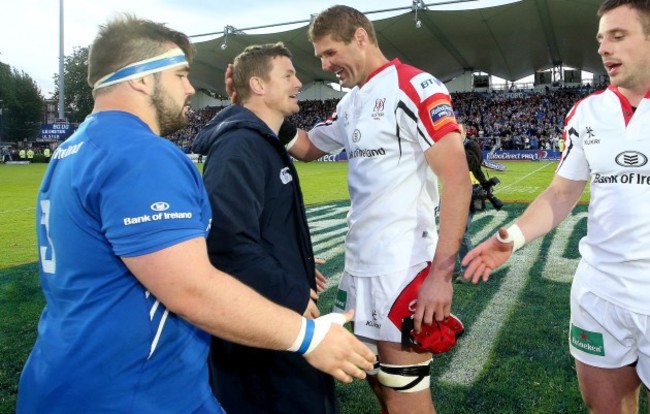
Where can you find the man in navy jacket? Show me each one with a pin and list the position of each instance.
(260, 234)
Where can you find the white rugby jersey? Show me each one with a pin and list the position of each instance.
(385, 127)
(608, 143)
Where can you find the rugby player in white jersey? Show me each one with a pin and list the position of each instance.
(607, 144)
(398, 128)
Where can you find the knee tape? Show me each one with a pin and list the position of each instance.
(405, 378)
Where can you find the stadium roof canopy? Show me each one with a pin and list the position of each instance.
(510, 41)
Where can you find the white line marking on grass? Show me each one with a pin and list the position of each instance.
(545, 165)
(329, 239)
(17, 211)
(558, 268)
(328, 235)
(477, 344)
(338, 250)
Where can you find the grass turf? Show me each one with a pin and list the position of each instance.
(513, 358)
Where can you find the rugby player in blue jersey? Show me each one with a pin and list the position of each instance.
(122, 217)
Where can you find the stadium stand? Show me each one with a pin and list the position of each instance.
(508, 120)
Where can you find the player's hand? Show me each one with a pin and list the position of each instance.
(487, 256)
(312, 311)
(229, 81)
(434, 300)
(321, 281)
(342, 355)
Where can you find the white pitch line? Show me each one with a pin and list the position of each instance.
(476, 345)
(561, 269)
(325, 240)
(17, 211)
(546, 164)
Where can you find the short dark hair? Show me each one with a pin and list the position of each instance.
(127, 39)
(641, 6)
(341, 22)
(255, 60)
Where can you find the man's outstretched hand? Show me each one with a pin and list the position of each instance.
(487, 256)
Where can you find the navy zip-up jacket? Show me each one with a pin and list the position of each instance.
(260, 236)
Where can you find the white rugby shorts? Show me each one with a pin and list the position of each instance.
(605, 335)
(380, 302)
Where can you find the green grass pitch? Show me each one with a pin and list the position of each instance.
(513, 358)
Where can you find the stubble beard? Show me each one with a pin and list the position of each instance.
(170, 119)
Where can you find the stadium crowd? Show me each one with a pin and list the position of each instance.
(514, 120)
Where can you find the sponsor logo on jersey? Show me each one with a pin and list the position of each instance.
(590, 139)
(441, 113)
(589, 342)
(631, 159)
(366, 153)
(147, 218)
(61, 153)
(627, 178)
(160, 206)
(378, 110)
(428, 82)
(356, 136)
(285, 175)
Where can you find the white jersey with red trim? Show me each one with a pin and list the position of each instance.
(608, 143)
(385, 127)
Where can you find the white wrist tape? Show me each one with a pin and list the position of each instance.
(290, 143)
(313, 331)
(514, 236)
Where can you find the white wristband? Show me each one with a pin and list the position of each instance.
(313, 331)
(290, 143)
(514, 236)
(299, 339)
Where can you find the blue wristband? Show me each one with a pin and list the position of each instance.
(309, 335)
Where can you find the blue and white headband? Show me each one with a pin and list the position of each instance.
(169, 59)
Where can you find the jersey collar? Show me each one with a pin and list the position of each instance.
(382, 67)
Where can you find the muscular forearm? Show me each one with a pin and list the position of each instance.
(183, 279)
(550, 208)
(223, 307)
(302, 148)
(455, 198)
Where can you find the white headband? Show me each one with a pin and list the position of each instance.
(171, 58)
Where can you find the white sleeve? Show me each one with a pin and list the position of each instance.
(573, 164)
(328, 136)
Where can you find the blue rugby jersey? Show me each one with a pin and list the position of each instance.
(114, 189)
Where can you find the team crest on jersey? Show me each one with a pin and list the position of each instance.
(631, 159)
(285, 175)
(378, 110)
(441, 113)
